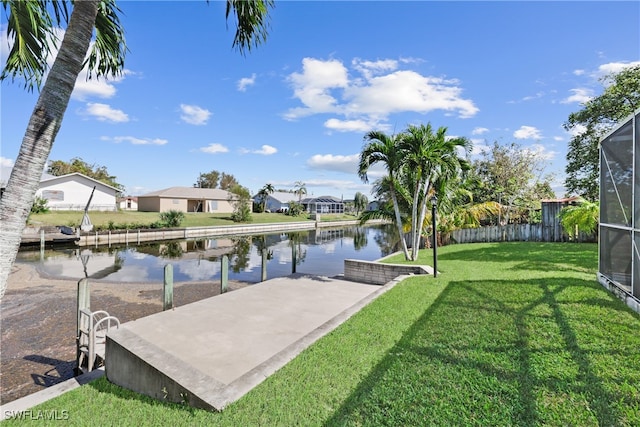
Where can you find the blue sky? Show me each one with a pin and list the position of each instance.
(297, 107)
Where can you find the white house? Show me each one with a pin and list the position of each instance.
(128, 203)
(72, 192)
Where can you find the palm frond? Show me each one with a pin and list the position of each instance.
(106, 57)
(31, 28)
(582, 217)
(252, 22)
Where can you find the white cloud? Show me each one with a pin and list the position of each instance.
(92, 88)
(541, 152)
(245, 82)
(214, 149)
(404, 91)
(527, 132)
(84, 88)
(479, 146)
(353, 125)
(265, 150)
(558, 138)
(312, 86)
(336, 163)
(104, 112)
(614, 67)
(6, 165)
(479, 131)
(344, 185)
(580, 95)
(577, 130)
(135, 141)
(369, 68)
(578, 72)
(194, 115)
(5, 162)
(326, 87)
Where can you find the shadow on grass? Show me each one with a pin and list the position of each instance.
(482, 353)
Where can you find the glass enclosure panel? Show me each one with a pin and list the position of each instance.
(636, 186)
(616, 168)
(636, 265)
(615, 255)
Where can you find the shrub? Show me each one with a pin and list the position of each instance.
(171, 218)
(241, 212)
(240, 199)
(295, 209)
(39, 205)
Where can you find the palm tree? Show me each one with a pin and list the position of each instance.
(433, 160)
(32, 25)
(582, 217)
(383, 148)
(300, 189)
(263, 195)
(360, 202)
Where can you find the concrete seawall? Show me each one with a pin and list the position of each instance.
(375, 273)
(149, 235)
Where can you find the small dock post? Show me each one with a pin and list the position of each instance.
(167, 299)
(83, 303)
(224, 274)
(264, 264)
(294, 258)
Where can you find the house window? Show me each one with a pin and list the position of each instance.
(56, 195)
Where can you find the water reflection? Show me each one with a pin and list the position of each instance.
(251, 258)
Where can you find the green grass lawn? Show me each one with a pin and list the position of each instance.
(508, 334)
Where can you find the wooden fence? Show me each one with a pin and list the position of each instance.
(513, 233)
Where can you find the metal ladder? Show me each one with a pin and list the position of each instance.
(93, 327)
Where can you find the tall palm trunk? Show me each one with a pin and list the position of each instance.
(41, 131)
(396, 209)
(421, 217)
(415, 226)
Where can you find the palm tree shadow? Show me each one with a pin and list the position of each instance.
(431, 349)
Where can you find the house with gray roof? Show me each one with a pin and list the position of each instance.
(278, 201)
(187, 199)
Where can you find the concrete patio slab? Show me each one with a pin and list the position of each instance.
(211, 352)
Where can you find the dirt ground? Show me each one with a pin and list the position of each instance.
(38, 323)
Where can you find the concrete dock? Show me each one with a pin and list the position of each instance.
(211, 352)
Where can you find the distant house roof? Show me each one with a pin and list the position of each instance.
(48, 179)
(284, 197)
(5, 173)
(564, 200)
(190, 193)
(322, 199)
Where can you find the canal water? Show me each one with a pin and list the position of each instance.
(317, 252)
